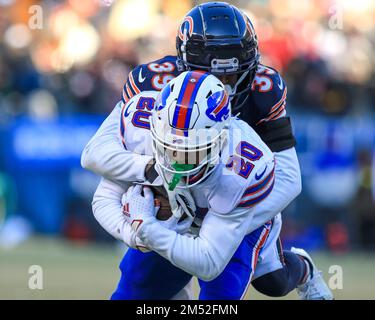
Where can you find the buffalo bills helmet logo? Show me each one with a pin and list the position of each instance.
(218, 106)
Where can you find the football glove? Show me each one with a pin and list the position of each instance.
(138, 207)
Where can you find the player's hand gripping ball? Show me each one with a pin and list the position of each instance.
(161, 201)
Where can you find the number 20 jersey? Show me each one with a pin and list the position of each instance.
(244, 177)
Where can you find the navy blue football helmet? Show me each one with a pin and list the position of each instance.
(218, 38)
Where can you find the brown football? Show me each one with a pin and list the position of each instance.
(161, 200)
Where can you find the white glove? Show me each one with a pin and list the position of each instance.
(180, 200)
(137, 207)
(140, 245)
(173, 224)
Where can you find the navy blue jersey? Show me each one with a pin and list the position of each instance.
(152, 76)
(266, 101)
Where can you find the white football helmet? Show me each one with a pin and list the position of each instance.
(189, 128)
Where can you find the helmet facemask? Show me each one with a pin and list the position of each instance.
(221, 48)
(183, 165)
(189, 128)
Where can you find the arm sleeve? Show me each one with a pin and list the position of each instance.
(204, 256)
(106, 156)
(107, 209)
(277, 134)
(287, 187)
(207, 255)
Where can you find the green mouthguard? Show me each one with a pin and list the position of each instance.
(177, 177)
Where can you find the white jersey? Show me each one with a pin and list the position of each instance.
(238, 197)
(229, 186)
(243, 178)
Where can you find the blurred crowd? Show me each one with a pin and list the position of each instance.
(60, 57)
(74, 55)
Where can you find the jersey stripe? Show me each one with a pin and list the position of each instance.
(124, 97)
(260, 243)
(252, 202)
(132, 83)
(256, 194)
(274, 115)
(277, 105)
(275, 109)
(260, 185)
(255, 253)
(126, 93)
(280, 114)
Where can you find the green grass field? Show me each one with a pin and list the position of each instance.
(88, 271)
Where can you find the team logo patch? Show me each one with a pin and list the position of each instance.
(218, 106)
(186, 23)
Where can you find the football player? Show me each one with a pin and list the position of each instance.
(231, 175)
(220, 39)
(232, 171)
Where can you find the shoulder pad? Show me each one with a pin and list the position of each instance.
(268, 94)
(152, 76)
(237, 172)
(134, 123)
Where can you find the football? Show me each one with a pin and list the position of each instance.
(161, 200)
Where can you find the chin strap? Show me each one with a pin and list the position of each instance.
(239, 81)
(177, 177)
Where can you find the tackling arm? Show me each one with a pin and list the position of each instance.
(106, 156)
(107, 209)
(288, 186)
(207, 255)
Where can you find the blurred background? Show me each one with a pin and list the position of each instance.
(62, 68)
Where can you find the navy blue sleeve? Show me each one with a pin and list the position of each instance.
(152, 76)
(268, 95)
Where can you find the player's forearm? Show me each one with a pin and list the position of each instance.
(107, 157)
(289, 173)
(107, 210)
(205, 256)
(287, 187)
(185, 253)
